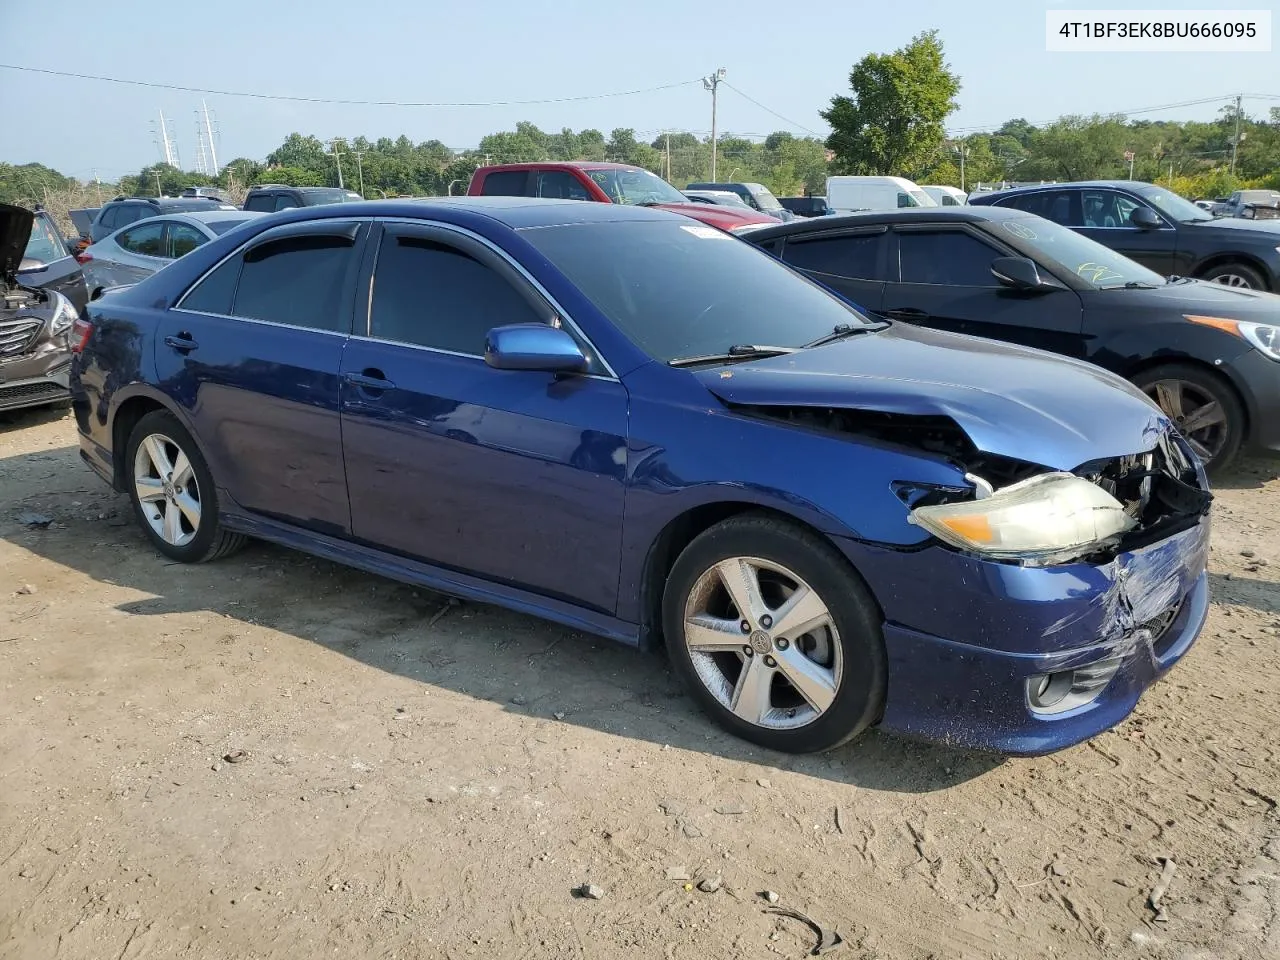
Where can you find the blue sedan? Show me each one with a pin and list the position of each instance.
(636, 425)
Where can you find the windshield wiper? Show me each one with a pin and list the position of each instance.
(843, 330)
(739, 351)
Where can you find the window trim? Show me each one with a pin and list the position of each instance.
(513, 266)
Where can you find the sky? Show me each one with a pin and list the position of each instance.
(790, 61)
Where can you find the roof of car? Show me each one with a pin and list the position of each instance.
(514, 212)
(886, 217)
(560, 165)
(1030, 188)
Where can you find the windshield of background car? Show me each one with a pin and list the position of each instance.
(690, 290)
(45, 245)
(1171, 205)
(763, 197)
(1057, 246)
(636, 186)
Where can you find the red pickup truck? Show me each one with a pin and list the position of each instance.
(606, 183)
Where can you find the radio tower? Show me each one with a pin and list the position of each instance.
(168, 149)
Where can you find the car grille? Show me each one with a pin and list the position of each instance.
(20, 395)
(17, 336)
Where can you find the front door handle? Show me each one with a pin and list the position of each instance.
(908, 314)
(183, 342)
(370, 379)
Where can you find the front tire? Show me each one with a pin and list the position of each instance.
(1235, 275)
(173, 492)
(775, 635)
(1203, 406)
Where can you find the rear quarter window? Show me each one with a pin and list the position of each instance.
(504, 183)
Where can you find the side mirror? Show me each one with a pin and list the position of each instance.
(1144, 218)
(1020, 273)
(533, 346)
(29, 265)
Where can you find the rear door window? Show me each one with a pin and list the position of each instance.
(262, 202)
(560, 184)
(146, 239)
(505, 183)
(286, 202)
(856, 256)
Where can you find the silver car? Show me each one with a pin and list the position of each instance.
(137, 251)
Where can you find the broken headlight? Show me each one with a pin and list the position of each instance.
(1054, 516)
(64, 314)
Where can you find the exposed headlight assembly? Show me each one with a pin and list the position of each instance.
(64, 314)
(1050, 518)
(1263, 336)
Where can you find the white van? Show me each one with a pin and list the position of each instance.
(851, 194)
(946, 196)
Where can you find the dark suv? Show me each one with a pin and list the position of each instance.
(123, 211)
(269, 197)
(1157, 228)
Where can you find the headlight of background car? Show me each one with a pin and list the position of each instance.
(1264, 336)
(64, 314)
(1055, 516)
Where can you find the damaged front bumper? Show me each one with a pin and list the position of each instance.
(968, 650)
(36, 379)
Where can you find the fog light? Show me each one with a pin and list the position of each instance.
(1067, 689)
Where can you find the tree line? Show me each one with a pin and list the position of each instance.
(891, 120)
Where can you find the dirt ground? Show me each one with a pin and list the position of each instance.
(429, 780)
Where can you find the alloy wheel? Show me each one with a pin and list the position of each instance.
(1233, 280)
(166, 488)
(1196, 412)
(763, 643)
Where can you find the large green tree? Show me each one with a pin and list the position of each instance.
(894, 120)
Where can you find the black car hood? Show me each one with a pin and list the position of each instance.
(1231, 226)
(1200, 298)
(1010, 400)
(15, 234)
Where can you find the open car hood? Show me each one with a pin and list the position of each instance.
(1010, 401)
(15, 234)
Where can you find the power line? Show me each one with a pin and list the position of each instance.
(798, 126)
(344, 102)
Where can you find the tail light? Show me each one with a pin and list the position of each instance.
(81, 331)
(83, 257)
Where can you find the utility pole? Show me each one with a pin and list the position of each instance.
(337, 156)
(1235, 141)
(208, 134)
(1129, 155)
(712, 84)
(668, 136)
(963, 151)
(97, 185)
(359, 168)
(159, 192)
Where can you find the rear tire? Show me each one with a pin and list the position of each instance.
(1188, 393)
(173, 494)
(815, 675)
(1238, 275)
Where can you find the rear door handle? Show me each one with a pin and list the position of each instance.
(371, 380)
(182, 343)
(907, 313)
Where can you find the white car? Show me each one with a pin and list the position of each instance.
(137, 251)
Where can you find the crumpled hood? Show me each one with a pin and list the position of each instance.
(1010, 400)
(15, 234)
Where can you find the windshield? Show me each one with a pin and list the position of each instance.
(45, 245)
(1172, 205)
(689, 290)
(636, 187)
(763, 197)
(1099, 266)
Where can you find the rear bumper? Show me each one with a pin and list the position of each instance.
(964, 637)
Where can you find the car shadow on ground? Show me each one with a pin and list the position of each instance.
(523, 664)
(11, 420)
(1248, 473)
(1247, 590)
